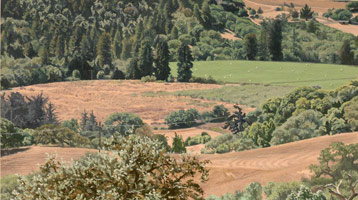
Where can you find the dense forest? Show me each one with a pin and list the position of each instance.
(51, 40)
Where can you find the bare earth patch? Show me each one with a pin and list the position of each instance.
(319, 6)
(109, 96)
(228, 172)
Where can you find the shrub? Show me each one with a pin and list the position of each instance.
(198, 139)
(178, 145)
(305, 125)
(274, 190)
(144, 131)
(59, 135)
(208, 80)
(182, 118)
(117, 74)
(137, 168)
(351, 113)
(100, 75)
(76, 74)
(122, 123)
(260, 11)
(10, 135)
(306, 193)
(146, 79)
(162, 139)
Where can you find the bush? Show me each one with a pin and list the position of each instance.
(59, 135)
(274, 190)
(209, 80)
(351, 113)
(10, 135)
(8, 184)
(117, 74)
(130, 172)
(162, 139)
(122, 123)
(182, 118)
(100, 75)
(305, 125)
(146, 79)
(178, 145)
(198, 139)
(260, 11)
(76, 74)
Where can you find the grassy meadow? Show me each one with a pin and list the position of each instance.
(328, 76)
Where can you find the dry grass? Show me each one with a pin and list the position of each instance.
(228, 172)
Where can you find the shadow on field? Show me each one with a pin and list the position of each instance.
(6, 152)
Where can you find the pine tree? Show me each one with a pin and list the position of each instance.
(85, 47)
(145, 59)
(139, 34)
(126, 49)
(133, 71)
(236, 121)
(117, 44)
(51, 117)
(275, 40)
(207, 19)
(161, 60)
(178, 145)
(346, 54)
(60, 47)
(44, 55)
(84, 120)
(104, 50)
(91, 124)
(197, 14)
(250, 44)
(263, 52)
(306, 13)
(174, 34)
(185, 63)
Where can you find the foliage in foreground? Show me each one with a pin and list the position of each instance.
(137, 168)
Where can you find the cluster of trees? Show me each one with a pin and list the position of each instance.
(304, 113)
(191, 117)
(203, 138)
(343, 14)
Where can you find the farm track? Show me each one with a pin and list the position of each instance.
(228, 172)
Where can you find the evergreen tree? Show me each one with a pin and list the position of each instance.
(275, 42)
(104, 50)
(29, 50)
(197, 14)
(145, 59)
(174, 34)
(139, 34)
(207, 19)
(60, 47)
(51, 117)
(236, 121)
(178, 145)
(126, 49)
(306, 13)
(133, 71)
(44, 55)
(251, 46)
(346, 53)
(85, 47)
(161, 60)
(263, 52)
(117, 44)
(91, 124)
(185, 63)
(84, 120)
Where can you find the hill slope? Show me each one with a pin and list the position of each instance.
(228, 172)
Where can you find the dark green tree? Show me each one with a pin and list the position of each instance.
(161, 60)
(306, 13)
(60, 47)
(185, 63)
(117, 44)
(104, 50)
(250, 43)
(236, 121)
(51, 116)
(145, 59)
(126, 49)
(178, 144)
(133, 71)
(174, 34)
(275, 40)
(346, 54)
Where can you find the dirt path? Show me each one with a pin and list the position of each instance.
(228, 172)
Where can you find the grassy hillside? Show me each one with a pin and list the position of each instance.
(328, 76)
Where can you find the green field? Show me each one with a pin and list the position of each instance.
(328, 76)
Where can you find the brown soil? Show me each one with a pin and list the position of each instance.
(229, 35)
(319, 6)
(106, 97)
(228, 172)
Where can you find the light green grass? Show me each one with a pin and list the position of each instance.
(250, 95)
(328, 76)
